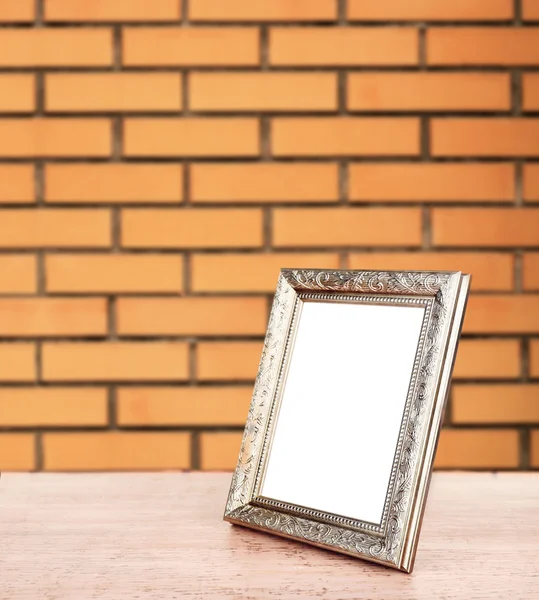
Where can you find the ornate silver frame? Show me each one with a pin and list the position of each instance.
(394, 541)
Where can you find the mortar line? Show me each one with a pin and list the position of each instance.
(517, 273)
(264, 48)
(426, 228)
(187, 270)
(524, 450)
(117, 51)
(519, 182)
(195, 450)
(111, 317)
(38, 451)
(40, 13)
(422, 47)
(265, 139)
(267, 228)
(525, 359)
(517, 8)
(192, 360)
(184, 8)
(112, 422)
(186, 184)
(41, 274)
(38, 362)
(515, 75)
(341, 12)
(343, 182)
(184, 91)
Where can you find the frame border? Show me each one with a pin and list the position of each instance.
(395, 543)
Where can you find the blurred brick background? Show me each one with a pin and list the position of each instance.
(160, 161)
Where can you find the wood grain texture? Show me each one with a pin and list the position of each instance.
(161, 536)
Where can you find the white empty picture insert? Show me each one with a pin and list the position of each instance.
(343, 401)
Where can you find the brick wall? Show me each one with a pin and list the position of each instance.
(160, 160)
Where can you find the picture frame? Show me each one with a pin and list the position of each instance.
(283, 443)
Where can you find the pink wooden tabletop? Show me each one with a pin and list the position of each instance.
(161, 536)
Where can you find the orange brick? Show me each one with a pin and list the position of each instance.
(112, 10)
(534, 441)
(17, 93)
(113, 182)
(104, 92)
(54, 228)
(485, 137)
(478, 449)
(263, 91)
(483, 46)
(115, 361)
(347, 46)
(489, 270)
(67, 47)
(262, 10)
(530, 85)
(503, 313)
(219, 451)
(53, 407)
(51, 137)
(530, 275)
(250, 272)
(432, 182)
(116, 451)
(16, 184)
(531, 182)
(345, 136)
(426, 10)
(429, 91)
(534, 358)
(319, 227)
(265, 182)
(12, 11)
(114, 273)
(193, 47)
(495, 404)
(218, 361)
(212, 136)
(29, 317)
(17, 362)
(488, 359)
(17, 452)
(18, 274)
(191, 316)
(198, 406)
(193, 228)
(530, 10)
(489, 227)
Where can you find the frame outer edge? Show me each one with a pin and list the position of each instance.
(239, 508)
(408, 555)
(283, 288)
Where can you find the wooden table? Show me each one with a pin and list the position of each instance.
(138, 536)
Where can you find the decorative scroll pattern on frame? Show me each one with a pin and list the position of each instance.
(348, 540)
(386, 549)
(384, 282)
(263, 395)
